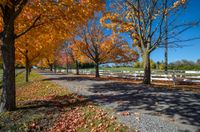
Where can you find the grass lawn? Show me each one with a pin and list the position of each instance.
(45, 106)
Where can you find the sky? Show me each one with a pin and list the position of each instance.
(190, 50)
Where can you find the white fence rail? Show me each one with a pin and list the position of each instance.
(175, 76)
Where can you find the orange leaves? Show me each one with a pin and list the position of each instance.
(95, 46)
(69, 121)
(87, 118)
(56, 22)
(79, 50)
(1, 24)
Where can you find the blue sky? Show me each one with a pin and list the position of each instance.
(191, 49)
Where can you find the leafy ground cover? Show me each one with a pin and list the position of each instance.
(45, 106)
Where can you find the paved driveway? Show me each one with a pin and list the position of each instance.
(144, 108)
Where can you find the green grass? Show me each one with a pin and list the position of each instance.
(20, 79)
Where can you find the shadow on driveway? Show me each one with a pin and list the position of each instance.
(185, 105)
(75, 78)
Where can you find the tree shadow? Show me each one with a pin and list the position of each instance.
(179, 104)
(50, 73)
(75, 78)
(55, 102)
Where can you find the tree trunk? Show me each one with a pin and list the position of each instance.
(77, 68)
(8, 102)
(67, 68)
(97, 70)
(147, 69)
(27, 69)
(55, 68)
(51, 67)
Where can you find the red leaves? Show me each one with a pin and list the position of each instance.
(69, 121)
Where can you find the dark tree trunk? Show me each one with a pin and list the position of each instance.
(51, 67)
(55, 68)
(77, 68)
(27, 69)
(97, 70)
(67, 68)
(147, 69)
(8, 102)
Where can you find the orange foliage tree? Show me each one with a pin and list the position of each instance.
(95, 46)
(17, 17)
(34, 46)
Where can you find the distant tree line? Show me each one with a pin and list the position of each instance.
(185, 65)
(177, 65)
(154, 65)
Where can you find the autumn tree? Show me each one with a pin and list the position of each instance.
(71, 52)
(144, 21)
(94, 45)
(31, 14)
(34, 46)
(10, 9)
(49, 56)
(66, 56)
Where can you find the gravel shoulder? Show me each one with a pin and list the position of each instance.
(144, 108)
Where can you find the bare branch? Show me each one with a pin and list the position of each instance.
(20, 5)
(33, 25)
(184, 40)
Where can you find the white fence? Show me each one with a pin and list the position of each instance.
(175, 76)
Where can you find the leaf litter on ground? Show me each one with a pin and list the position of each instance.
(45, 106)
